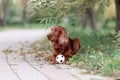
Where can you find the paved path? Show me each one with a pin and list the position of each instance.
(15, 67)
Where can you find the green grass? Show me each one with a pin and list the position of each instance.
(99, 52)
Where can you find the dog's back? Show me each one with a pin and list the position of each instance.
(75, 45)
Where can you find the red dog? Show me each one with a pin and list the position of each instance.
(62, 44)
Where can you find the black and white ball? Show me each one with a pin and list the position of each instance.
(60, 58)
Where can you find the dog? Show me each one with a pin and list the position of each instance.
(61, 43)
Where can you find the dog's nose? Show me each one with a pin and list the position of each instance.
(48, 35)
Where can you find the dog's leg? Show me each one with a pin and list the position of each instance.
(67, 55)
(54, 59)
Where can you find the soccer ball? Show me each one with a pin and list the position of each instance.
(60, 58)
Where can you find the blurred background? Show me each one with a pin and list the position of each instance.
(79, 13)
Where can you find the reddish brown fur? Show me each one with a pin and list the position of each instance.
(62, 44)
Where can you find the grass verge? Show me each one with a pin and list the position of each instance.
(99, 53)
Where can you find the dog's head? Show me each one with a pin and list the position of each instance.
(58, 33)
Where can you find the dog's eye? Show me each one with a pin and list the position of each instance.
(57, 30)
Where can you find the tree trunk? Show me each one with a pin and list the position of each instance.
(4, 10)
(117, 3)
(85, 21)
(91, 16)
(1, 23)
(23, 17)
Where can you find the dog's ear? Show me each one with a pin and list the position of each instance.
(63, 38)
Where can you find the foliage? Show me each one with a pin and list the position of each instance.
(112, 64)
(53, 10)
(117, 40)
(110, 11)
(13, 13)
(99, 53)
(45, 9)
